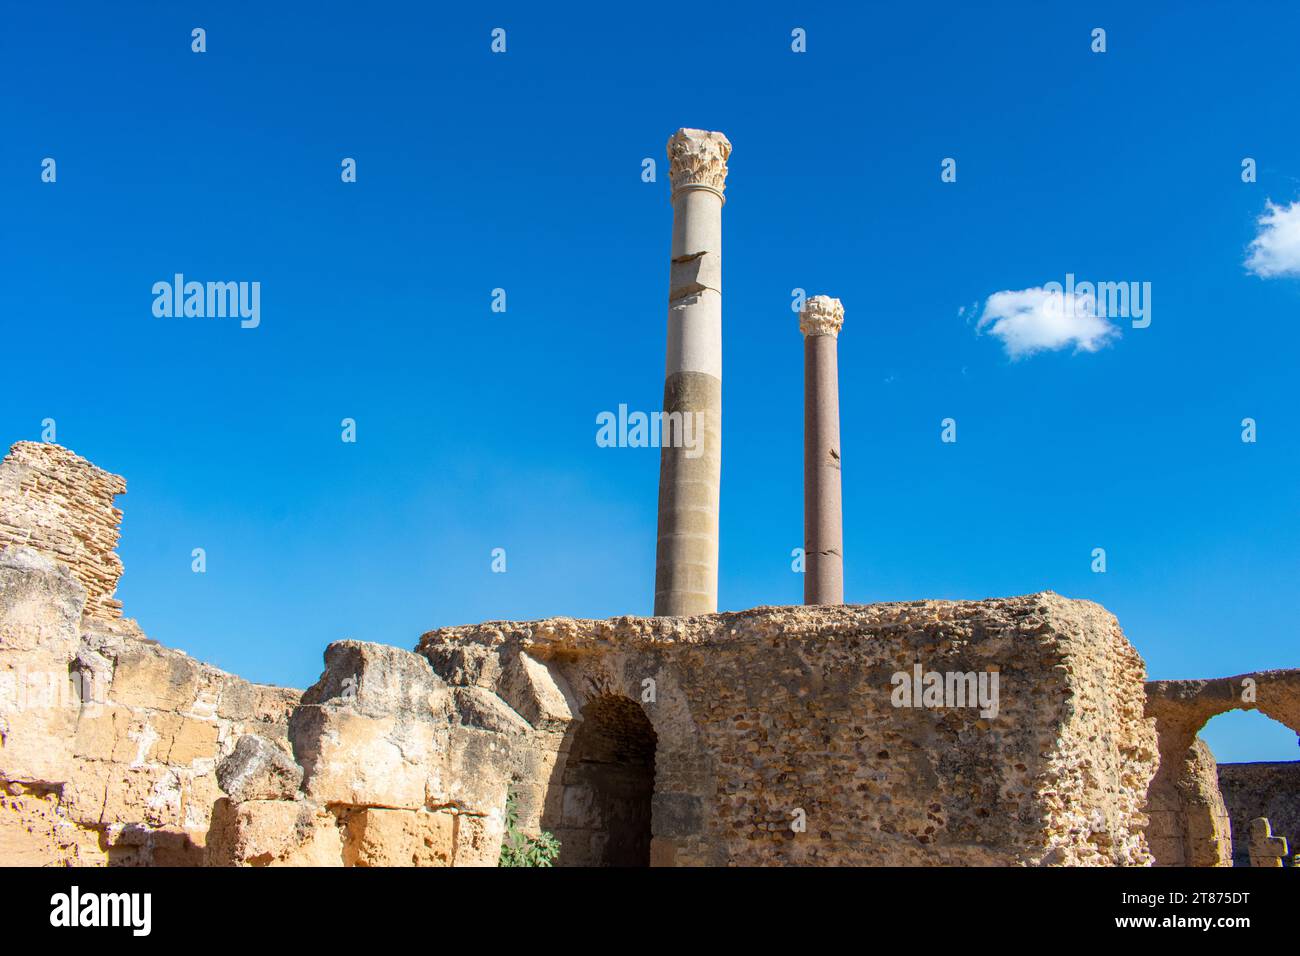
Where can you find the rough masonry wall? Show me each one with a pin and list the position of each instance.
(1189, 825)
(393, 768)
(61, 505)
(766, 715)
(116, 750)
(108, 741)
(112, 748)
(1269, 790)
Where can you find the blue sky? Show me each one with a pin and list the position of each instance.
(522, 171)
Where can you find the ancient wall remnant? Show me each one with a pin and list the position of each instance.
(59, 504)
(1253, 790)
(108, 741)
(767, 719)
(393, 768)
(771, 736)
(1188, 825)
(116, 750)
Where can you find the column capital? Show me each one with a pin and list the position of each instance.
(821, 315)
(698, 158)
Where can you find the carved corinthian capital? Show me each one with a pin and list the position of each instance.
(697, 157)
(821, 315)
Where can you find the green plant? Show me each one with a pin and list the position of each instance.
(519, 849)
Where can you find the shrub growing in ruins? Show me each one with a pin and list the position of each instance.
(519, 849)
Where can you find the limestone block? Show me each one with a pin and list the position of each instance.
(258, 770)
(537, 694)
(252, 833)
(321, 846)
(184, 740)
(84, 790)
(40, 603)
(477, 707)
(380, 837)
(40, 611)
(38, 715)
(478, 840)
(156, 678)
(272, 706)
(273, 833)
(348, 758)
(199, 793)
(373, 730)
(478, 771)
(112, 733)
(152, 795)
(35, 831)
(377, 680)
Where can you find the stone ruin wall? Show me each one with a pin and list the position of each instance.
(62, 506)
(115, 750)
(1188, 820)
(108, 741)
(1270, 789)
(395, 757)
(761, 713)
(1190, 823)
(389, 767)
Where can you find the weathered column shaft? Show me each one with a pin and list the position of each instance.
(690, 459)
(823, 530)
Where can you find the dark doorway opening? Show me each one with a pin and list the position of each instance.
(608, 782)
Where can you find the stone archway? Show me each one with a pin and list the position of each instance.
(606, 786)
(1188, 825)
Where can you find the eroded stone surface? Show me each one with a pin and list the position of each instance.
(61, 505)
(381, 837)
(258, 770)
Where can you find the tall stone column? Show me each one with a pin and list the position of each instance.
(690, 459)
(823, 529)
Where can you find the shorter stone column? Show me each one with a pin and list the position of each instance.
(820, 322)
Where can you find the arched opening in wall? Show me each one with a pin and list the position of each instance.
(1258, 775)
(606, 787)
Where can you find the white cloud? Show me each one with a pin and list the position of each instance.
(1044, 320)
(1276, 250)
